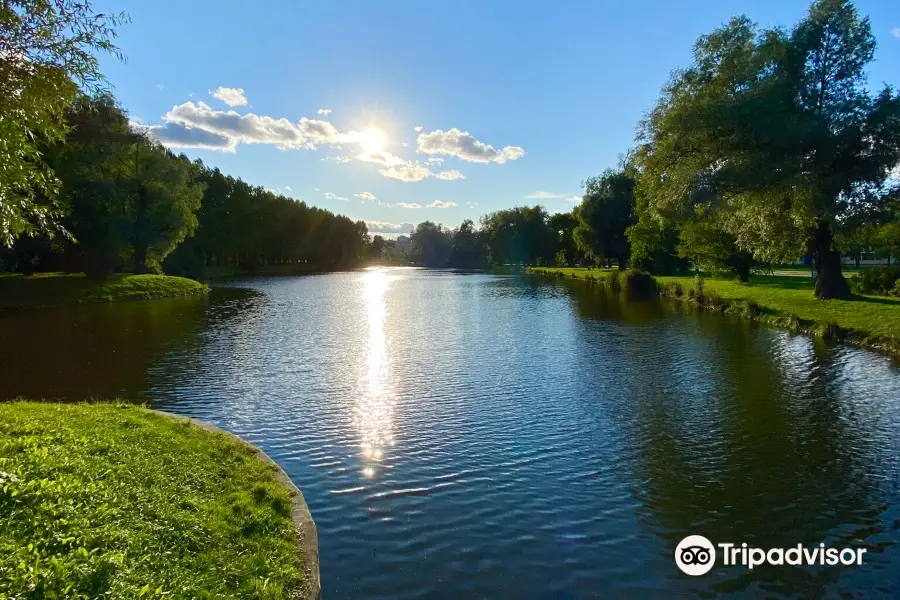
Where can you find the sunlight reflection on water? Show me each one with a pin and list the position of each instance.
(374, 411)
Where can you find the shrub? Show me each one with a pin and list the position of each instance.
(638, 285)
(896, 290)
(880, 281)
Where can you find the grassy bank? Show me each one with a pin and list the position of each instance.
(100, 500)
(785, 301)
(54, 289)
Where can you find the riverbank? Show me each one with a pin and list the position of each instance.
(783, 301)
(55, 289)
(114, 500)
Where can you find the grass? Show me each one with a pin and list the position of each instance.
(116, 501)
(785, 301)
(54, 289)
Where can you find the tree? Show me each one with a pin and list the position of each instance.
(376, 248)
(520, 235)
(128, 199)
(709, 248)
(887, 238)
(781, 133)
(563, 225)
(431, 245)
(606, 211)
(47, 49)
(467, 251)
(654, 245)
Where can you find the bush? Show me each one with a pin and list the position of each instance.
(879, 281)
(638, 285)
(896, 290)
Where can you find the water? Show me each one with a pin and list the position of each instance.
(477, 436)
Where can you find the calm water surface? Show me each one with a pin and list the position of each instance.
(477, 436)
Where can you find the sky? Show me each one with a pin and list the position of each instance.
(398, 112)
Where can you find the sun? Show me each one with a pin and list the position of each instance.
(372, 141)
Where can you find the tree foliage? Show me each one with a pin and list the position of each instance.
(47, 49)
(606, 211)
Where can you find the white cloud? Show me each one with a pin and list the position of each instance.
(464, 146)
(230, 96)
(366, 196)
(408, 205)
(385, 227)
(257, 129)
(404, 144)
(341, 160)
(440, 204)
(315, 189)
(545, 195)
(434, 160)
(176, 135)
(408, 172)
(471, 204)
(895, 32)
(382, 158)
(330, 196)
(574, 199)
(323, 111)
(450, 175)
(288, 188)
(418, 128)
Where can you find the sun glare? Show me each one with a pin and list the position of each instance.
(372, 141)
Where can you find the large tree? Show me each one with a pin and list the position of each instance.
(780, 134)
(47, 49)
(128, 199)
(606, 211)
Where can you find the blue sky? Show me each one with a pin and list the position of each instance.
(554, 88)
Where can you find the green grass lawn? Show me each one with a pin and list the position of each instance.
(54, 289)
(790, 295)
(115, 501)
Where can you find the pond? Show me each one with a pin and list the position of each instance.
(479, 436)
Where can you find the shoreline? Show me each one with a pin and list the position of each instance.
(683, 290)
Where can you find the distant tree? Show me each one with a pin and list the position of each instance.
(520, 235)
(431, 245)
(467, 251)
(780, 125)
(376, 248)
(711, 249)
(563, 226)
(47, 49)
(887, 239)
(654, 245)
(606, 211)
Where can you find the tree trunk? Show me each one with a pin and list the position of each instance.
(830, 282)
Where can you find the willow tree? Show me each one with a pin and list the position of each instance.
(777, 134)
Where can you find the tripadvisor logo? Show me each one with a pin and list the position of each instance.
(696, 555)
